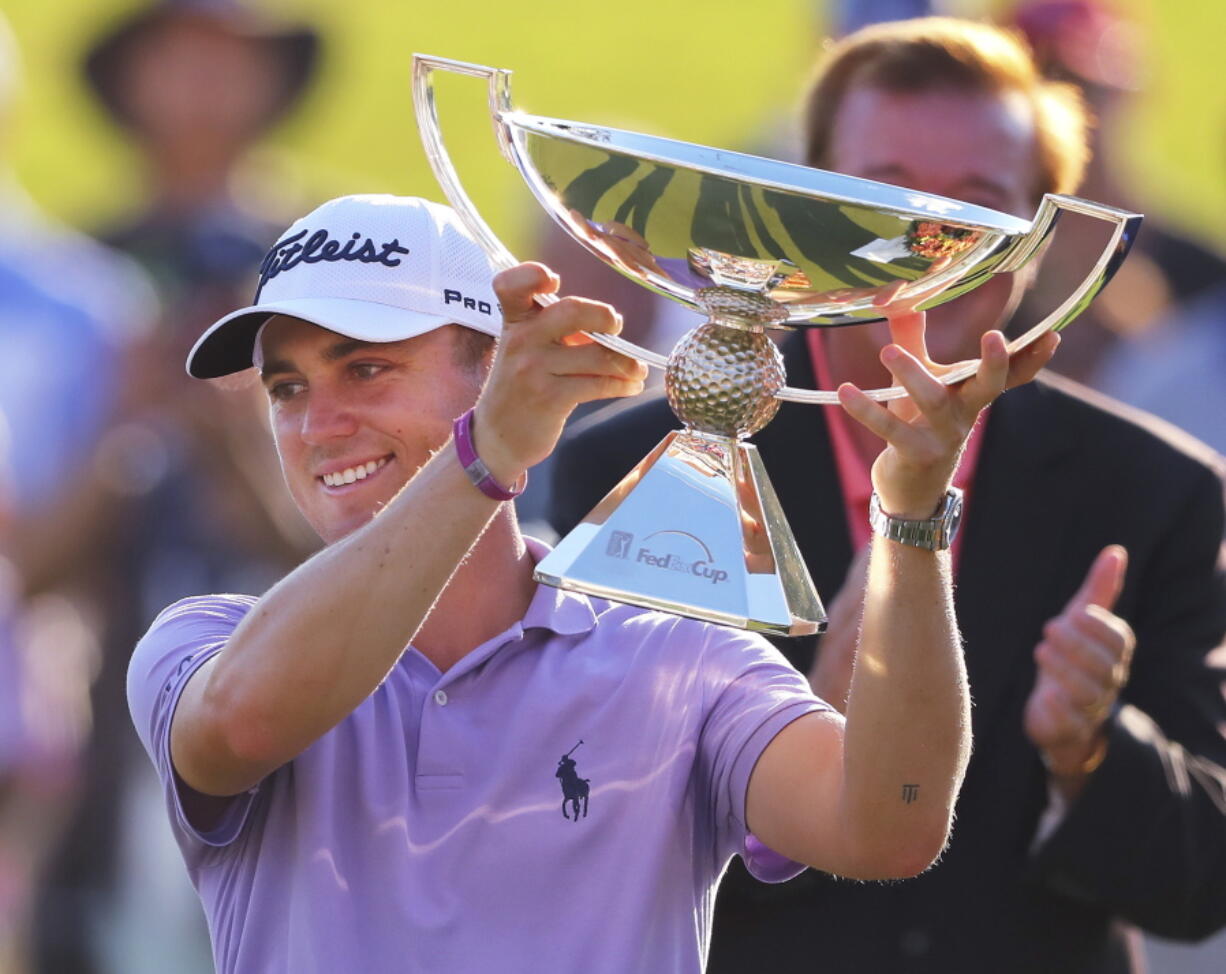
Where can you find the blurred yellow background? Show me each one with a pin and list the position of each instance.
(722, 71)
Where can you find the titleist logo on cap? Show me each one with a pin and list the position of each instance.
(288, 252)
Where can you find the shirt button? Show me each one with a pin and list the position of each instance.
(440, 698)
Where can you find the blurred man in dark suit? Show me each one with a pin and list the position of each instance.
(1090, 593)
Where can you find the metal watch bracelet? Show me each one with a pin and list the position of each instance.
(934, 533)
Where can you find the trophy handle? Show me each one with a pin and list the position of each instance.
(424, 66)
(1126, 226)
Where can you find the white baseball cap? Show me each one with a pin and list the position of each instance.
(376, 268)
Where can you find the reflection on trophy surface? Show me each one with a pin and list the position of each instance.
(695, 528)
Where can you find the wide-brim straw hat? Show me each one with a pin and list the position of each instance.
(295, 47)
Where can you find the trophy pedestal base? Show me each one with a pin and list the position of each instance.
(695, 529)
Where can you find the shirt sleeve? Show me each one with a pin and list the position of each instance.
(181, 640)
(753, 692)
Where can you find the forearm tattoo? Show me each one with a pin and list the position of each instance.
(910, 793)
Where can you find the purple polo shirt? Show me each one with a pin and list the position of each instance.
(566, 797)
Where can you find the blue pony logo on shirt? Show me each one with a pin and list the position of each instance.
(574, 788)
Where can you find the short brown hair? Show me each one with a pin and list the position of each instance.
(930, 53)
(471, 349)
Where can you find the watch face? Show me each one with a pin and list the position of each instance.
(955, 519)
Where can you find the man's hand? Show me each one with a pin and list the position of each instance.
(544, 367)
(925, 432)
(1083, 663)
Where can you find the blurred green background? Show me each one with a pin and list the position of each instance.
(722, 71)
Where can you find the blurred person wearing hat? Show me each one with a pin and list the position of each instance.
(1090, 591)
(361, 765)
(1096, 46)
(194, 85)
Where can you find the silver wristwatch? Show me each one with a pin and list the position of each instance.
(935, 533)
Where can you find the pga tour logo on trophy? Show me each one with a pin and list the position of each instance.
(695, 528)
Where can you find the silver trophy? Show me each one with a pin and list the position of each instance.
(695, 528)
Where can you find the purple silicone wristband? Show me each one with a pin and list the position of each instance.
(477, 471)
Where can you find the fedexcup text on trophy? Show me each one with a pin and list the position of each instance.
(620, 543)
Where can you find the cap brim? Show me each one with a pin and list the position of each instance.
(228, 345)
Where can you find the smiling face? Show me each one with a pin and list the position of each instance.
(976, 147)
(354, 421)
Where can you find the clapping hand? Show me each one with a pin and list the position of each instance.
(1083, 662)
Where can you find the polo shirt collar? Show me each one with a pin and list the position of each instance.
(562, 613)
(565, 613)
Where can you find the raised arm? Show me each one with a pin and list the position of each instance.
(320, 641)
(873, 797)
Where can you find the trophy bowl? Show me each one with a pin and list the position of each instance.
(756, 244)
